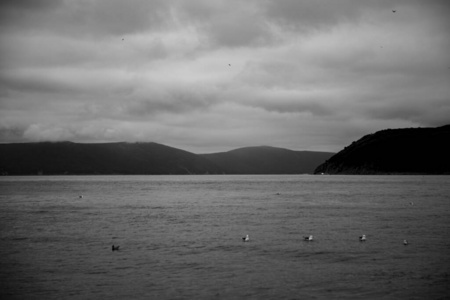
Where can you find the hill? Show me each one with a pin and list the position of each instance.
(60, 158)
(109, 158)
(268, 160)
(394, 151)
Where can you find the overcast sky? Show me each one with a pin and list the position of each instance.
(214, 75)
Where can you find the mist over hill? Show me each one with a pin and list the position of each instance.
(394, 151)
(59, 158)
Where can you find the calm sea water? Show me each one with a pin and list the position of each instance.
(180, 237)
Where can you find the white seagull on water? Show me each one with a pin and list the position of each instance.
(308, 238)
(362, 238)
(246, 238)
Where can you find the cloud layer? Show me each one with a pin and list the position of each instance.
(213, 75)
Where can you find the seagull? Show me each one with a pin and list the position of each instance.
(362, 238)
(115, 248)
(308, 238)
(246, 238)
(405, 242)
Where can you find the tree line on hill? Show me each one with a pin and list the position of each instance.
(394, 151)
(390, 151)
(67, 158)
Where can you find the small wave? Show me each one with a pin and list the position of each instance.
(156, 207)
(225, 248)
(20, 239)
(14, 238)
(96, 272)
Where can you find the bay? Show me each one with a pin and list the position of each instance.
(180, 237)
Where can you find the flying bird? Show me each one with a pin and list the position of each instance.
(115, 248)
(394, 11)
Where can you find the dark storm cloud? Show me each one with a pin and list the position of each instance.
(21, 6)
(215, 74)
(306, 15)
(86, 17)
(34, 83)
(228, 23)
(177, 100)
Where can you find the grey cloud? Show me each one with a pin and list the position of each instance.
(311, 107)
(67, 82)
(176, 100)
(26, 14)
(123, 17)
(228, 23)
(35, 84)
(303, 73)
(41, 52)
(306, 15)
(11, 134)
(436, 10)
(288, 102)
(87, 17)
(419, 111)
(254, 23)
(239, 31)
(21, 6)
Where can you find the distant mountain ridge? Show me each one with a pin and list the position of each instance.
(59, 158)
(107, 158)
(268, 160)
(394, 151)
